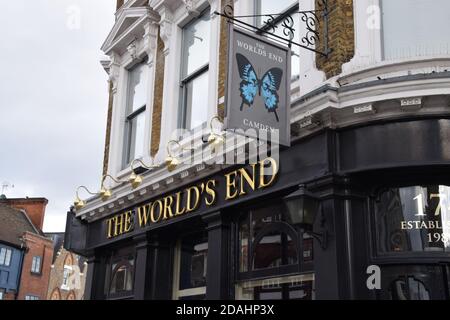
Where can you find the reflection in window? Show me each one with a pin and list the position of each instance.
(267, 242)
(135, 114)
(273, 250)
(191, 267)
(122, 277)
(194, 78)
(413, 28)
(413, 219)
(409, 288)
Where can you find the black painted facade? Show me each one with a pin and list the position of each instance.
(348, 170)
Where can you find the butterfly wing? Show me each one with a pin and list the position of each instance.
(270, 84)
(249, 84)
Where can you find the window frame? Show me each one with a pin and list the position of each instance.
(131, 115)
(185, 80)
(36, 265)
(177, 293)
(301, 267)
(406, 257)
(7, 257)
(120, 257)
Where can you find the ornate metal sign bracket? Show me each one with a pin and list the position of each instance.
(313, 20)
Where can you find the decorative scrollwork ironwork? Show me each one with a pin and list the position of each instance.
(311, 20)
(270, 24)
(288, 28)
(228, 11)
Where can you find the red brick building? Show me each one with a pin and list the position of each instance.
(21, 229)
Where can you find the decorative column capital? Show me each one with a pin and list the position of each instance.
(165, 24)
(151, 40)
(114, 69)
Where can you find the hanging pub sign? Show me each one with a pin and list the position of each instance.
(258, 86)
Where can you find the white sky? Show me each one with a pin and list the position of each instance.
(53, 99)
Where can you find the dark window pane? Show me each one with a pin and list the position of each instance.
(193, 261)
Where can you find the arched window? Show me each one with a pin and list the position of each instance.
(56, 294)
(68, 261)
(71, 296)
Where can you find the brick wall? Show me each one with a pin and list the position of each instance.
(223, 58)
(108, 130)
(341, 37)
(158, 98)
(30, 284)
(34, 207)
(57, 276)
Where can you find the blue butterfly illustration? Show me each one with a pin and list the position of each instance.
(251, 85)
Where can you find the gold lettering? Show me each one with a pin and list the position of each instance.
(179, 212)
(190, 208)
(118, 225)
(152, 212)
(143, 214)
(262, 172)
(128, 221)
(168, 201)
(231, 183)
(250, 181)
(210, 191)
(109, 222)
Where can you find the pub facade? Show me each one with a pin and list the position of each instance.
(355, 204)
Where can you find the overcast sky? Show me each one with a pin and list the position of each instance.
(53, 99)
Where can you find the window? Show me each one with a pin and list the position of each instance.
(30, 297)
(282, 8)
(191, 267)
(66, 276)
(36, 265)
(5, 257)
(413, 218)
(1, 295)
(135, 113)
(194, 75)
(269, 247)
(415, 28)
(120, 274)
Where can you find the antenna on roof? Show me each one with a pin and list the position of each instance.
(5, 186)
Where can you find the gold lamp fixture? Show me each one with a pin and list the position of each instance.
(215, 140)
(106, 193)
(171, 161)
(135, 179)
(79, 203)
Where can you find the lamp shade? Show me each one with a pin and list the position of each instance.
(302, 207)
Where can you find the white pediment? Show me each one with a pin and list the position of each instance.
(129, 25)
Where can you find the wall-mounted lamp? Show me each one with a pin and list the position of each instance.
(215, 140)
(79, 203)
(135, 179)
(106, 193)
(171, 161)
(302, 209)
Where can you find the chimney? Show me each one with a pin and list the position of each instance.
(34, 207)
